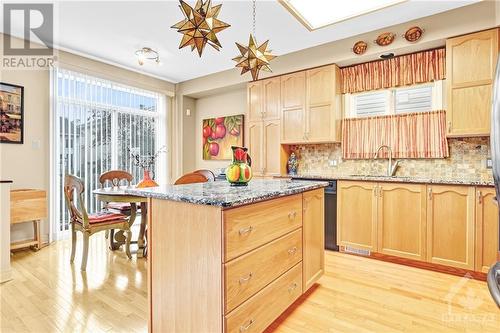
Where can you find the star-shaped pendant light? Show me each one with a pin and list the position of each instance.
(254, 57)
(200, 25)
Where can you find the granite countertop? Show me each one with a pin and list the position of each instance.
(220, 193)
(399, 179)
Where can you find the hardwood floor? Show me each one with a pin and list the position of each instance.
(355, 295)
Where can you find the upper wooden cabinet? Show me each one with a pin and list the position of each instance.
(470, 69)
(401, 220)
(357, 215)
(264, 99)
(293, 98)
(310, 102)
(486, 229)
(323, 104)
(254, 143)
(450, 226)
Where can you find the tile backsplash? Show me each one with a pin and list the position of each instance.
(467, 161)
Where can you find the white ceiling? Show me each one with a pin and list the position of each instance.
(112, 30)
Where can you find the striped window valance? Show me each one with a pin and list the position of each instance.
(420, 67)
(412, 135)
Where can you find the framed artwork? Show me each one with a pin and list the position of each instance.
(219, 134)
(11, 113)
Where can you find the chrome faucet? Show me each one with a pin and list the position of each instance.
(391, 169)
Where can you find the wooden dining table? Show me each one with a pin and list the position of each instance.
(118, 194)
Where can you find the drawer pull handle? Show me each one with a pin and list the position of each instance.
(245, 279)
(292, 215)
(247, 326)
(245, 230)
(292, 287)
(293, 250)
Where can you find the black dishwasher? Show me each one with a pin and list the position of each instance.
(330, 214)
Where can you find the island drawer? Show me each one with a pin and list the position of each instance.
(251, 272)
(256, 314)
(248, 227)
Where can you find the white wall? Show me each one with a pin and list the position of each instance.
(230, 103)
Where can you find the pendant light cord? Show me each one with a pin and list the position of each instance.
(254, 1)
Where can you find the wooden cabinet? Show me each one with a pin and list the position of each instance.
(401, 220)
(470, 68)
(357, 215)
(486, 229)
(314, 236)
(322, 115)
(450, 226)
(263, 139)
(293, 99)
(310, 102)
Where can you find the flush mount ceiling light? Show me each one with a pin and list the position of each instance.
(147, 53)
(316, 14)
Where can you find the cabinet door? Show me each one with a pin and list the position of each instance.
(255, 98)
(450, 226)
(313, 236)
(255, 146)
(402, 220)
(357, 215)
(272, 148)
(470, 62)
(271, 89)
(486, 229)
(320, 113)
(293, 91)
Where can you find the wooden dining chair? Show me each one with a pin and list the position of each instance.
(89, 224)
(191, 178)
(207, 173)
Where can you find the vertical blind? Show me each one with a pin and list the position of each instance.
(98, 123)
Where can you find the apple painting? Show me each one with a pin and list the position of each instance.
(219, 134)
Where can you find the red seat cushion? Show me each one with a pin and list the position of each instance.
(104, 216)
(119, 205)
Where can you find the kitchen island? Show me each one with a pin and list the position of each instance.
(231, 259)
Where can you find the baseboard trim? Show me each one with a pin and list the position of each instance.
(424, 265)
(5, 275)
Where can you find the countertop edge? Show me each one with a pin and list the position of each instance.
(226, 204)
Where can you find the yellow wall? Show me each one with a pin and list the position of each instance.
(225, 104)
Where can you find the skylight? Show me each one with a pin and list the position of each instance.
(315, 14)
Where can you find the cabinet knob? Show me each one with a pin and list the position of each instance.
(244, 328)
(449, 126)
(292, 215)
(292, 287)
(429, 193)
(245, 279)
(246, 230)
(292, 251)
(479, 197)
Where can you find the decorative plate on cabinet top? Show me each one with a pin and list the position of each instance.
(385, 39)
(360, 47)
(413, 34)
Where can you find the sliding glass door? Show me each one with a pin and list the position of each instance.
(97, 125)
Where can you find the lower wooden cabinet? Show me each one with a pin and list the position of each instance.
(314, 237)
(357, 215)
(450, 226)
(486, 229)
(401, 220)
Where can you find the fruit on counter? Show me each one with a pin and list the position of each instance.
(213, 148)
(219, 120)
(245, 173)
(220, 131)
(233, 173)
(207, 131)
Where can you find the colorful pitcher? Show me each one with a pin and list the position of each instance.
(239, 172)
